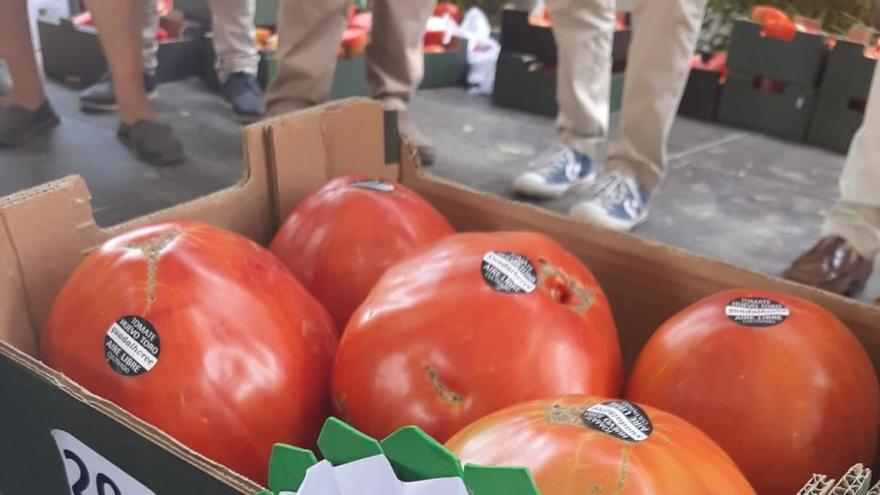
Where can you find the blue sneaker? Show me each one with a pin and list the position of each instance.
(619, 203)
(555, 176)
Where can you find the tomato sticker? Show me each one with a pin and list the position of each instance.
(756, 312)
(621, 419)
(509, 272)
(374, 185)
(131, 346)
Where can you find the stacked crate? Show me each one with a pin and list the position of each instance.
(773, 84)
(843, 96)
(525, 77)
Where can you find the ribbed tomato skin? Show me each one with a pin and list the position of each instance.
(566, 457)
(341, 238)
(244, 350)
(435, 345)
(786, 400)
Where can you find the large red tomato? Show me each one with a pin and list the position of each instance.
(341, 238)
(584, 445)
(201, 333)
(781, 384)
(476, 323)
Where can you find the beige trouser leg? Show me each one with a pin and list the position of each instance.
(235, 36)
(395, 59)
(665, 36)
(309, 36)
(310, 33)
(856, 217)
(148, 32)
(584, 31)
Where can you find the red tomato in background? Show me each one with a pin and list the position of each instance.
(473, 324)
(764, 13)
(341, 238)
(781, 384)
(354, 41)
(362, 20)
(784, 30)
(450, 8)
(240, 351)
(776, 23)
(585, 445)
(435, 49)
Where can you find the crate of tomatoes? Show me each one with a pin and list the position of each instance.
(174, 352)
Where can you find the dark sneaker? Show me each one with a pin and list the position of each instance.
(152, 142)
(427, 153)
(99, 97)
(556, 174)
(18, 124)
(243, 92)
(619, 203)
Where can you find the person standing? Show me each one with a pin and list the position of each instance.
(237, 60)
(309, 37)
(28, 111)
(843, 259)
(664, 39)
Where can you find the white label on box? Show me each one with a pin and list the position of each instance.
(88, 473)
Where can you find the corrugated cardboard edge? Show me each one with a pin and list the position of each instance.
(60, 213)
(856, 481)
(119, 415)
(819, 484)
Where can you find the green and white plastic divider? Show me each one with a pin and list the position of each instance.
(408, 462)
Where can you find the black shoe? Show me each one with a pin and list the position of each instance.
(18, 124)
(426, 150)
(152, 142)
(99, 97)
(243, 92)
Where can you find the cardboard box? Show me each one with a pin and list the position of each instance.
(797, 62)
(73, 54)
(701, 95)
(518, 35)
(46, 231)
(786, 113)
(522, 83)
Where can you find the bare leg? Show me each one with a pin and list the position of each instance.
(119, 27)
(17, 50)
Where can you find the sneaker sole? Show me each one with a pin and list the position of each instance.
(597, 217)
(548, 191)
(91, 106)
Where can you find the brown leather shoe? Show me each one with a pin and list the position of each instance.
(833, 265)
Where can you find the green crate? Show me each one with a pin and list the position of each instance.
(786, 114)
(835, 122)
(520, 86)
(799, 61)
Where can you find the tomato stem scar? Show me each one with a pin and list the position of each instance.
(151, 249)
(445, 392)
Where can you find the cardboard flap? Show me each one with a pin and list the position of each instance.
(311, 147)
(47, 230)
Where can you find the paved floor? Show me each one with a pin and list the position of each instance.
(747, 199)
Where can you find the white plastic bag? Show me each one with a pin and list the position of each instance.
(483, 50)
